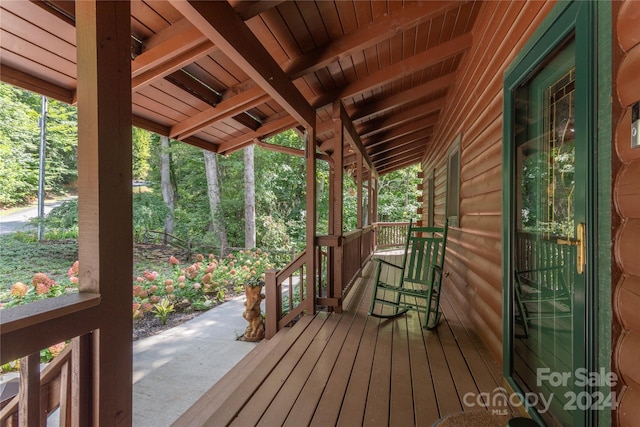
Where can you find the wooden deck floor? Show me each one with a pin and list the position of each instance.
(351, 369)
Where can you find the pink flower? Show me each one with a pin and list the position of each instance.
(169, 288)
(173, 260)
(136, 306)
(56, 349)
(40, 278)
(138, 291)
(206, 278)
(19, 289)
(74, 279)
(152, 289)
(212, 257)
(181, 278)
(200, 257)
(154, 299)
(192, 271)
(196, 286)
(42, 288)
(73, 271)
(146, 306)
(140, 279)
(168, 282)
(150, 275)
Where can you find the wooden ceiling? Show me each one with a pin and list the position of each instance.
(221, 75)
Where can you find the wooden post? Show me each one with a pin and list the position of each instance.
(336, 204)
(310, 153)
(29, 391)
(103, 30)
(272, 302)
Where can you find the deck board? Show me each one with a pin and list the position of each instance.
(351, 369)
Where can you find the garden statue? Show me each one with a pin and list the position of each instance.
(253, 314)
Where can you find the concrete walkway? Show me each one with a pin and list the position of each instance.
(173, 369)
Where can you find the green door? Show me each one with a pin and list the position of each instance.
(547, 199)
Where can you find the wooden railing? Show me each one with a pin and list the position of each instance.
(285, 294)
(24, 330)
(389, 234)
(338, 259)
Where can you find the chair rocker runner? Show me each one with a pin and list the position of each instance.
(420, 277)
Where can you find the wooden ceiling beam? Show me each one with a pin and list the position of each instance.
(381, 29)
(404, 97)
(401, 164)
(18, 78)
(267, 129)
(225, 109)
(354, 138)
(226, 29)
(394, 120)
(400, 131)
(171, 64)
(248, 9)
(169, 43)
(404, 140)
(408, 66)
(402, 150)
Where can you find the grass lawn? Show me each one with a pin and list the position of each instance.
(20, 259)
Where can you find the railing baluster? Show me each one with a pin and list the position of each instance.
(29, 392)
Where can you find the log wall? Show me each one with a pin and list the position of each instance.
(474, 111)
(626, 219)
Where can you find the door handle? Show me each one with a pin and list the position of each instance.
(579, 241)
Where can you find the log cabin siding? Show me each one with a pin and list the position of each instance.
(626, 200)
(473, 266)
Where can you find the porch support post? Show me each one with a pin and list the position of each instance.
(103, 30)
(375, 200)
(310, 150)
(335, 205)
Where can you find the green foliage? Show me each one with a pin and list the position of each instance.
(141, 141)
(163, 309)
(149, 212)
(398, 195)
(20, 141)
(63, 217)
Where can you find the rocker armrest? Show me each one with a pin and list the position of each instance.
(388, 263)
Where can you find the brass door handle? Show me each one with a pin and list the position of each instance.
(580, 243)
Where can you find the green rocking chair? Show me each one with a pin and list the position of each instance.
(420, 277)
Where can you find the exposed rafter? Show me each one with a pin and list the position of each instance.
(227, 108)
(227, 30)
(382, 29)
(416, 126)
(404, 97)
(408, 66)
(267, 129)
(394, 120)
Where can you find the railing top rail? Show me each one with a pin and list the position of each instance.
(290, 268)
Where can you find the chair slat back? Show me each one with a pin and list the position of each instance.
(425, 249)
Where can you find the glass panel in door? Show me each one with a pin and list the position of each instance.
(545, 233)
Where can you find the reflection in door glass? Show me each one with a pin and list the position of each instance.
(544, 212)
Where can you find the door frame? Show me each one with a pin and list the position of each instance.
(563, 20)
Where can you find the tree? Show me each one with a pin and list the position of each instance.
(213, 192)
(141, 150)
(249, 199)
(168, 191)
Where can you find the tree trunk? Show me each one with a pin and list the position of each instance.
(168, 192)
(213, 191)
(249, 199)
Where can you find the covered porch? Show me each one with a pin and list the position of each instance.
(353, 369)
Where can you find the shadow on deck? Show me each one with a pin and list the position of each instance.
(351, 369)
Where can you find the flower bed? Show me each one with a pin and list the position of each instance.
(178, 291)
